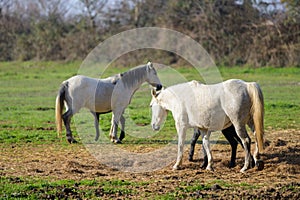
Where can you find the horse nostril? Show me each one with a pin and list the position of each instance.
(158, 87)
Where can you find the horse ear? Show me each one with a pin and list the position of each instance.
(153, 93)
(150, 65)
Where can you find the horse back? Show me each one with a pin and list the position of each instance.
(214, 106)
(90, 93)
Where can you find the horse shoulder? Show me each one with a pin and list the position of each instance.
(121, 96)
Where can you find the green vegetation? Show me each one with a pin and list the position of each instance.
(28, 91)
(244, 33)
(29, 188)
(28, 99)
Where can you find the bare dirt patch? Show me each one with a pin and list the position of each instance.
(279, 179)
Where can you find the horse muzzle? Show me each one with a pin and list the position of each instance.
(158, 87)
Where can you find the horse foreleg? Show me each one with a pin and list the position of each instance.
(67, 121)
(206, 145)
(181, 139)
(205, 159)
(122, 121)
(96, 123)
(246, 141)
(113, 132)
(114, 128)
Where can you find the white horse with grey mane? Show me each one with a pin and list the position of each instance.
(100, 96)
(212, 108)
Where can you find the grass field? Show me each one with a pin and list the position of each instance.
(28, 91)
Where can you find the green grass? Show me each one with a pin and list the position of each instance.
(28, 91)
(31, 188)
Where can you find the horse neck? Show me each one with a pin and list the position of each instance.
(133, 79)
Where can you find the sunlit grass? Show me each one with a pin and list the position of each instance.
(29, 89)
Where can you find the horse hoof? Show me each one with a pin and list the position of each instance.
(260, 165)
(117, 142)
(243, 170)
(231, 165)
(175, 167)
(122, 135)
(210, 169)
(191, 159)
(203, 166)
(71, 140)
(74, 141)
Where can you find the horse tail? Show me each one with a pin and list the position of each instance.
(59, 105)
(257, 112)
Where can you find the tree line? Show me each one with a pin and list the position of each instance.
(232, 33)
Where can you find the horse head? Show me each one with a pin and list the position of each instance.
(152, 77)
(159, 114)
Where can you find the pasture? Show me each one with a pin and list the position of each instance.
(35, 164)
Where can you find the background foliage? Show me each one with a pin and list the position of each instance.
(232, 33)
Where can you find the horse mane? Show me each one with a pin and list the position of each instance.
(134, 76)
(115, 78)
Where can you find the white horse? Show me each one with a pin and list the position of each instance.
(212, 108)
(100, 96)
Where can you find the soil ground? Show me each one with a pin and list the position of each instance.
(280, 178)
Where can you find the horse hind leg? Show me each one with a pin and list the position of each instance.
(232, 138)
(96, 123)
(256, 161)
(193, 143)
(67, 121)
(246, 141)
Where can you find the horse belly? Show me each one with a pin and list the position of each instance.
(102, 104)
(219, 121)
(212, 119)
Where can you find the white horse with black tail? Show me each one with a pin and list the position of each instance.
(100, 96)
(212, 108)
